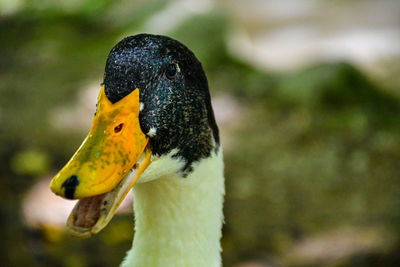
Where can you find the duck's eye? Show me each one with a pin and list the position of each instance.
(171, 70)
(118, 128)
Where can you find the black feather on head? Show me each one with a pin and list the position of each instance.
(177, 112)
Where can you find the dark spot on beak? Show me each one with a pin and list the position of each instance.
(70, 185)
(118, 128)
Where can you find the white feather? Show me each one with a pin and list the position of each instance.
(178, 220)
(152, 132)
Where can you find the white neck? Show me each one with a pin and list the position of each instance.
(178, 220)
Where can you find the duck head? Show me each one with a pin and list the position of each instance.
(154, 105)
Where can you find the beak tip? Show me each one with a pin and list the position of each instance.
(67, 188)
(70, 184)
(53, 186)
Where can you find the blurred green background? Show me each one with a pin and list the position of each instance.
(306, 93)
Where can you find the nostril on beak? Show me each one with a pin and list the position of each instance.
(70, 185)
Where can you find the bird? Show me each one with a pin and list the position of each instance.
(154, 131)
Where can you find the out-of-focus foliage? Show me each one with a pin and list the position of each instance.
(314, 150)
(313, 164)
(30, 162)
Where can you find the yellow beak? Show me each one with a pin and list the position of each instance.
(103, 163)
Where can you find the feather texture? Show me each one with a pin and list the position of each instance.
(178, 220)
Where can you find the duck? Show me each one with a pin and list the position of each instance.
(154, 131)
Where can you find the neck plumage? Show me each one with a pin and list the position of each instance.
(178, 220)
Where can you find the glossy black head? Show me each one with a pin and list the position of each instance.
(176, 110)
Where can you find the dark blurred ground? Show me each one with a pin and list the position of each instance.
(312, 150)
